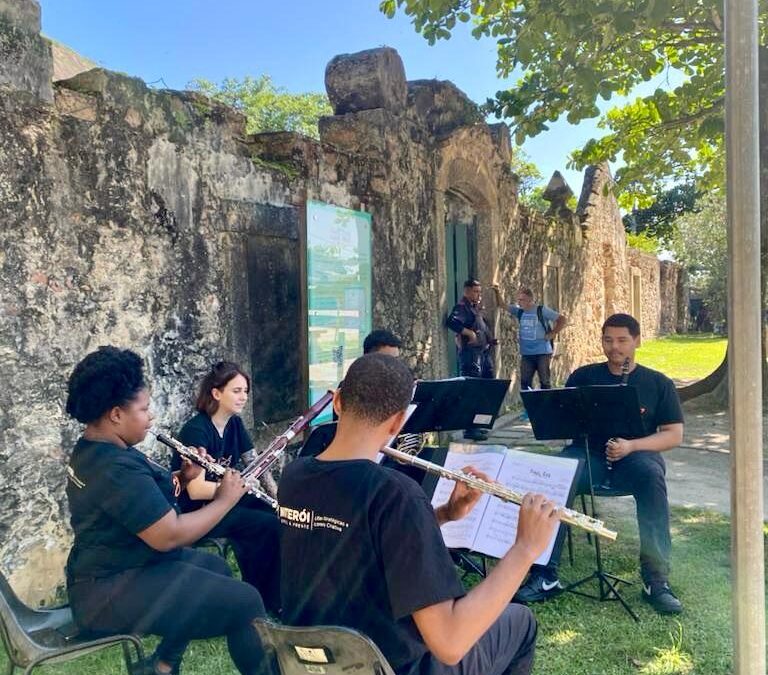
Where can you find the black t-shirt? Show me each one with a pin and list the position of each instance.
(227, 450)
(659, 403)
(360, 547)
(114, 493)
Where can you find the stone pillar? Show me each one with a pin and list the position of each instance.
(26, 63)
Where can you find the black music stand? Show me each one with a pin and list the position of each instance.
(458, 403)
(450, 405)
(581, 412)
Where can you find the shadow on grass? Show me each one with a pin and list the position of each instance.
(578, 636)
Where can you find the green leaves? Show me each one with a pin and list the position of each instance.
(573, 53)
(267, 107)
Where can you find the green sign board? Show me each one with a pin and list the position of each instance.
(338, 292)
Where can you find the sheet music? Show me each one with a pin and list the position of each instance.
(523, 472)
(462, 533)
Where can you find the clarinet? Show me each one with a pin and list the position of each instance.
(259, 466)
(506, 494)
(623, 383)
(210, 466)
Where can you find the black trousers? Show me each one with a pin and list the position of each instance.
(190, 598)
(642, 474)
(506, 648)
(476, 363)
(530, 364)
(253, 530)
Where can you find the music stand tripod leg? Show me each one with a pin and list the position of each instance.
(607, 583)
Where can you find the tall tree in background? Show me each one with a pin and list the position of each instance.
(700, 243)
(530, 187)
(657, 221)
(267, 107)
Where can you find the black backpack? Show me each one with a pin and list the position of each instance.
(540, 314)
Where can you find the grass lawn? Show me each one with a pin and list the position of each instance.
(578, 636)
(683, 357)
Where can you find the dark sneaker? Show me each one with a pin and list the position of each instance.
(149, 667)
(538, 588)
(659, 595)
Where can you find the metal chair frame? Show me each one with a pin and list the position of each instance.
(35, 636)
(333, 650)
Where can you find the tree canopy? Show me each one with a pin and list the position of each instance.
(530, 178)
(657, 221)
(573, 53)
(266, 106)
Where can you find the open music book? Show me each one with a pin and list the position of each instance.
(491, 527)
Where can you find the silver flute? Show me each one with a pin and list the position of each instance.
(212, 467)
(506, 494)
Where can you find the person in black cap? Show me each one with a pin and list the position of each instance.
(474, 340)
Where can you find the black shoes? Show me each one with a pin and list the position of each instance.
(148, 666)
(659, 595)
(538, 588)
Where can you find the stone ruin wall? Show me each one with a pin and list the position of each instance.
(136, 217)
(647, 267)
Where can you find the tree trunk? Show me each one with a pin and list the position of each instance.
(714, 386)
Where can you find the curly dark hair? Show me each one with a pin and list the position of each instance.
(375, 387)
(217, 378)
(104, 379)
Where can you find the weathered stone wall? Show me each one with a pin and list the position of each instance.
(673, 298)
(25, 56)
(149, 219)
(647, 266)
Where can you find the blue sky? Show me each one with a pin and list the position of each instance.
(170, 42)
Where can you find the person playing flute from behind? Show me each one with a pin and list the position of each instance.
(361, 546)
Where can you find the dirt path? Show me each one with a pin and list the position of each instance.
(698, 472)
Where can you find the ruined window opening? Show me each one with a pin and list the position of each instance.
(274, 265)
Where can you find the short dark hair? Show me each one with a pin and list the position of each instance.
(217, 378)
(104, 379)
(471, 283)
(377, 339)
(623, 321)
(526, 291)
(376, 386)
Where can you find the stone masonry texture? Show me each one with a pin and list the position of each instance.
(149, 219)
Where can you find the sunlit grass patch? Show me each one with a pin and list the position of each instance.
(562, 637)
(670, 660)
(683, 357)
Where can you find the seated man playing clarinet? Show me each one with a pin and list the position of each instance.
(361, 546)
(632, 465)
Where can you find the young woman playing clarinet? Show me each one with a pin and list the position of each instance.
(129, 569)
(251, 526)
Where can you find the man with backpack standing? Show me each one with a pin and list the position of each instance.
(539, 325)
